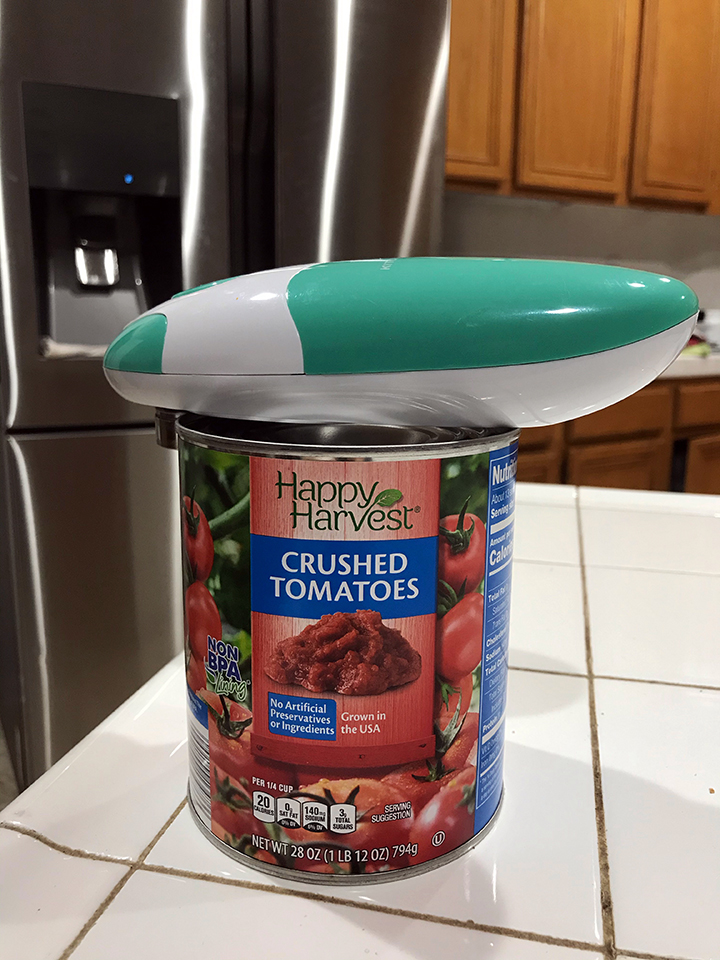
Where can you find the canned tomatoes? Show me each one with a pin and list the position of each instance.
(347, 594)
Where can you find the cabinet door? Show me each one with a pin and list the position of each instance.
(702, 473)
(533, 438)
(698, 405)
(632, 464)
(678, 101)
(578, 74)
(481, 89)
(648, 411)
(539, 466)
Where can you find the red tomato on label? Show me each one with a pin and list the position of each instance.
(197, 539)
(338, 868)
(370, 798)
(265, 856)
(419, 781)
(319, 867)
(196, 674)
(461, 557)
(229, 727)
(235, 823)
(231, 812)
(232, 817)
(229, 734)
(447, 698)
(236, 710)
(463, 749)
(202, 619)
(459, 638)
(448, 820)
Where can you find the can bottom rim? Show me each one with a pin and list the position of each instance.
(347, 880)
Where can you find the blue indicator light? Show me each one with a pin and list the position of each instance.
(128, 178)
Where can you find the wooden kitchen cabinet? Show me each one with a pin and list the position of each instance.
(532, 438)
(539, 466)
(540, 454)
(678, 106)
(631, 464)
(558, 95)
(698, 404)
(649, 411)
(668, 425)
(702, 469)
(697, 423)
(481, 89)
(635, 442)
(578, 64)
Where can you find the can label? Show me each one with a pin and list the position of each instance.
(343, 594)
(346, 630)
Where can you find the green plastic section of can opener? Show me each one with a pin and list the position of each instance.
(140, 345)
(380, 316)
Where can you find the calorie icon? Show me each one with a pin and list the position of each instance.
(263, 806)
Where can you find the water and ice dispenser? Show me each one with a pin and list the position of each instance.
(91, 219)
(103, 172)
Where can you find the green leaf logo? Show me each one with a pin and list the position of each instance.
(386, 498)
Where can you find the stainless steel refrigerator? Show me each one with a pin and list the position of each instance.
(147, 147)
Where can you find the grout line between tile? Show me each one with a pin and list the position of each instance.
(545, 563)
(660, 683)
(371, 907)
(62, 847)
(554, 673)
(162, 831)
(139, 864)
(640, 955)
(136, 865)
(610, 676)
(606, 906)
(634, 569)
(98, 912)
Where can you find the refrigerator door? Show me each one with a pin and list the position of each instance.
(172, 49)
(91, 581)
(354, 109)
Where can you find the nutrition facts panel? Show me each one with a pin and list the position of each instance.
(310, 815)
(493, 682)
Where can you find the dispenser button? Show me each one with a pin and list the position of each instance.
(96, 268)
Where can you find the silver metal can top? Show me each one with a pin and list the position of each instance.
(338, 441)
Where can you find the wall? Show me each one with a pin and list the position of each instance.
(683, 245)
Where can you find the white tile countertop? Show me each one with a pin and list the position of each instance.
(607, 843)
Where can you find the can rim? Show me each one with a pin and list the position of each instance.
(255, 438)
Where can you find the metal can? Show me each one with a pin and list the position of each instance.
(347, 594)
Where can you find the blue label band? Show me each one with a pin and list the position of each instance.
(496, 623)
(198, 707)
(310, 718)
(309, 578)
